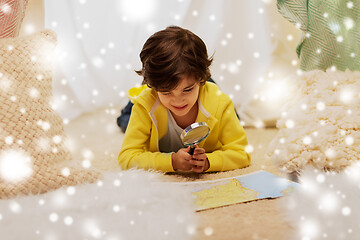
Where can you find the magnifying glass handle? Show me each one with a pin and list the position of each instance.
(191, 152)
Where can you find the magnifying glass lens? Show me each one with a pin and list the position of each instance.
(194, 134)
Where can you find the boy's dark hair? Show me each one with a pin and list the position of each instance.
(170, 54)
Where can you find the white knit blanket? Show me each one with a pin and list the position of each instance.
(320, 126)
(125, 205)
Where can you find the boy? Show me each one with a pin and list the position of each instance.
(175, 93)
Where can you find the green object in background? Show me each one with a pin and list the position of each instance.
(331, 32)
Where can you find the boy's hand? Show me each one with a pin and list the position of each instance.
(181, 160)
(199, 162)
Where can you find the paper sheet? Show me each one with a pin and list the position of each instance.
(244, 188)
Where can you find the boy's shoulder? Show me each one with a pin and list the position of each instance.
(142, 95)
(212, 94)
(213, 99)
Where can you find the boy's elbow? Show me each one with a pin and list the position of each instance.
(248, 160)
(245, 162)
(123, 162)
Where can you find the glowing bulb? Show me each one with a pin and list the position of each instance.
(308, 186)
(117, 182)
(68, 220)
(87, 153)
(86, 163)
(191, 230)
(233, 68)
(34, 93)
(309, 229)
(259, 123)
(15, 166)
(346, 96)
(349, 140)
(320, 178)
(350, 4)
(249, 149)
(53, 217)
(71, 190)
(57, 139)
(95, 92)
(65, 172)
(15, 207)
(29, 28)
(320, 106)
(328, 202)
(340, 38)
(45, 126)
(330, 153)
(9, 140)
(307, 140)
(290, 123)
(349, 23)
(98, 62)
(346, 211)
(208, 231)
(334, 27)
(5, 8)
(223, 43)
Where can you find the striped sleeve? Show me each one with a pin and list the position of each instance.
(295, 11)
(12, 13)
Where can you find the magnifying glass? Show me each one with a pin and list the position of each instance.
(194, 134)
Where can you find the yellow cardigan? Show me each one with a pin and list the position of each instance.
(225, 145)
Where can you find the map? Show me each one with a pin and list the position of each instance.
(244, 188)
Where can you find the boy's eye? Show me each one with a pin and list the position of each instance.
(165, 93)
(188, 90)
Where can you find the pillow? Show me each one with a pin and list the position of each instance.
(330, 33)
(320, 126)
(12, 13)
(33, 154)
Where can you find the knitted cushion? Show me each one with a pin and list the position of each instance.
(12, 13)
(33, 156)
(330, 32)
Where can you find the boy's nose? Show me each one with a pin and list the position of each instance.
(178, 98)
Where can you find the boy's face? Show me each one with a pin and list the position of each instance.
(181, 99)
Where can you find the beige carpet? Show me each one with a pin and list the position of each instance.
(95, 136)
